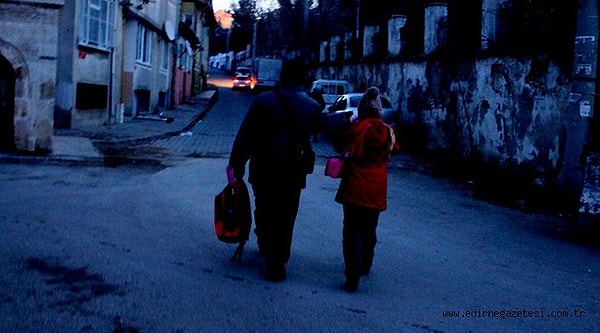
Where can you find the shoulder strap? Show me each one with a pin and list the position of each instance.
(391, 142)
(288, 119)
(281, 103)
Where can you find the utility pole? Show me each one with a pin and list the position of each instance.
(357, 33)
(228, 37)
(253, 64)
(305, 30)
(582, 119)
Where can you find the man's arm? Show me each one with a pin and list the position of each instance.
(243, 144)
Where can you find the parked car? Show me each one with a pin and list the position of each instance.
(346, 106)
(243, 81)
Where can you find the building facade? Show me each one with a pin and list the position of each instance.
(149, 37)
(97, 62)
(88, 57)
(197, 20)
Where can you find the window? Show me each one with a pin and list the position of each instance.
(96, 24)
(188, 19)
(91, 96)
(334, 89)
(184, 60)
(144, 43)
(340, 104)
(164, 51)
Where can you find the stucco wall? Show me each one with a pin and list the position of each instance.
(148, 76)
(91, 67)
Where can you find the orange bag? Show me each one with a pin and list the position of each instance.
(233, 216)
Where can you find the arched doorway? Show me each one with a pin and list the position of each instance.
(7, 105)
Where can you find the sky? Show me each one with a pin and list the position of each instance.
(221, 4)
(226, 4)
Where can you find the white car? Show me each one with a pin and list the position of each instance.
(241, 81)
(346, 106)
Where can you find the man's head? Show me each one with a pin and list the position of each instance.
(370, 104)
(293, 71)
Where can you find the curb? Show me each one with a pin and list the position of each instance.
(69, 160)
(103, 145)
(140, 140)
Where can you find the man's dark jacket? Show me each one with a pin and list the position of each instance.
(275, 127)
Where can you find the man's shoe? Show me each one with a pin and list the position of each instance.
(276, 274)
(351, 285)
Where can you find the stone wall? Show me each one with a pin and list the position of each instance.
(33, 56)
(500, 119)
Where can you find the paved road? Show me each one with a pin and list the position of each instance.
(91, 249)
(213, 135)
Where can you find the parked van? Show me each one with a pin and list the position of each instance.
(331, 89)
(243, 70)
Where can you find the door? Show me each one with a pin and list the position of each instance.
(7, 105)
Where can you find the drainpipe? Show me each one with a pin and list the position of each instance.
(112, 70)
(114, 98)
(111, 85)
(174, 44)
(120, 16)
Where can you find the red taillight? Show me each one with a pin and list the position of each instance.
(245, 81)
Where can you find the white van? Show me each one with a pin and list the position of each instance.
(331, 89)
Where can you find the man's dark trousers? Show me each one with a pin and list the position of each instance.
(276, 207)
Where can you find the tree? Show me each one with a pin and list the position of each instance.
(244, 16)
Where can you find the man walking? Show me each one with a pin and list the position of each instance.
(275, 137)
